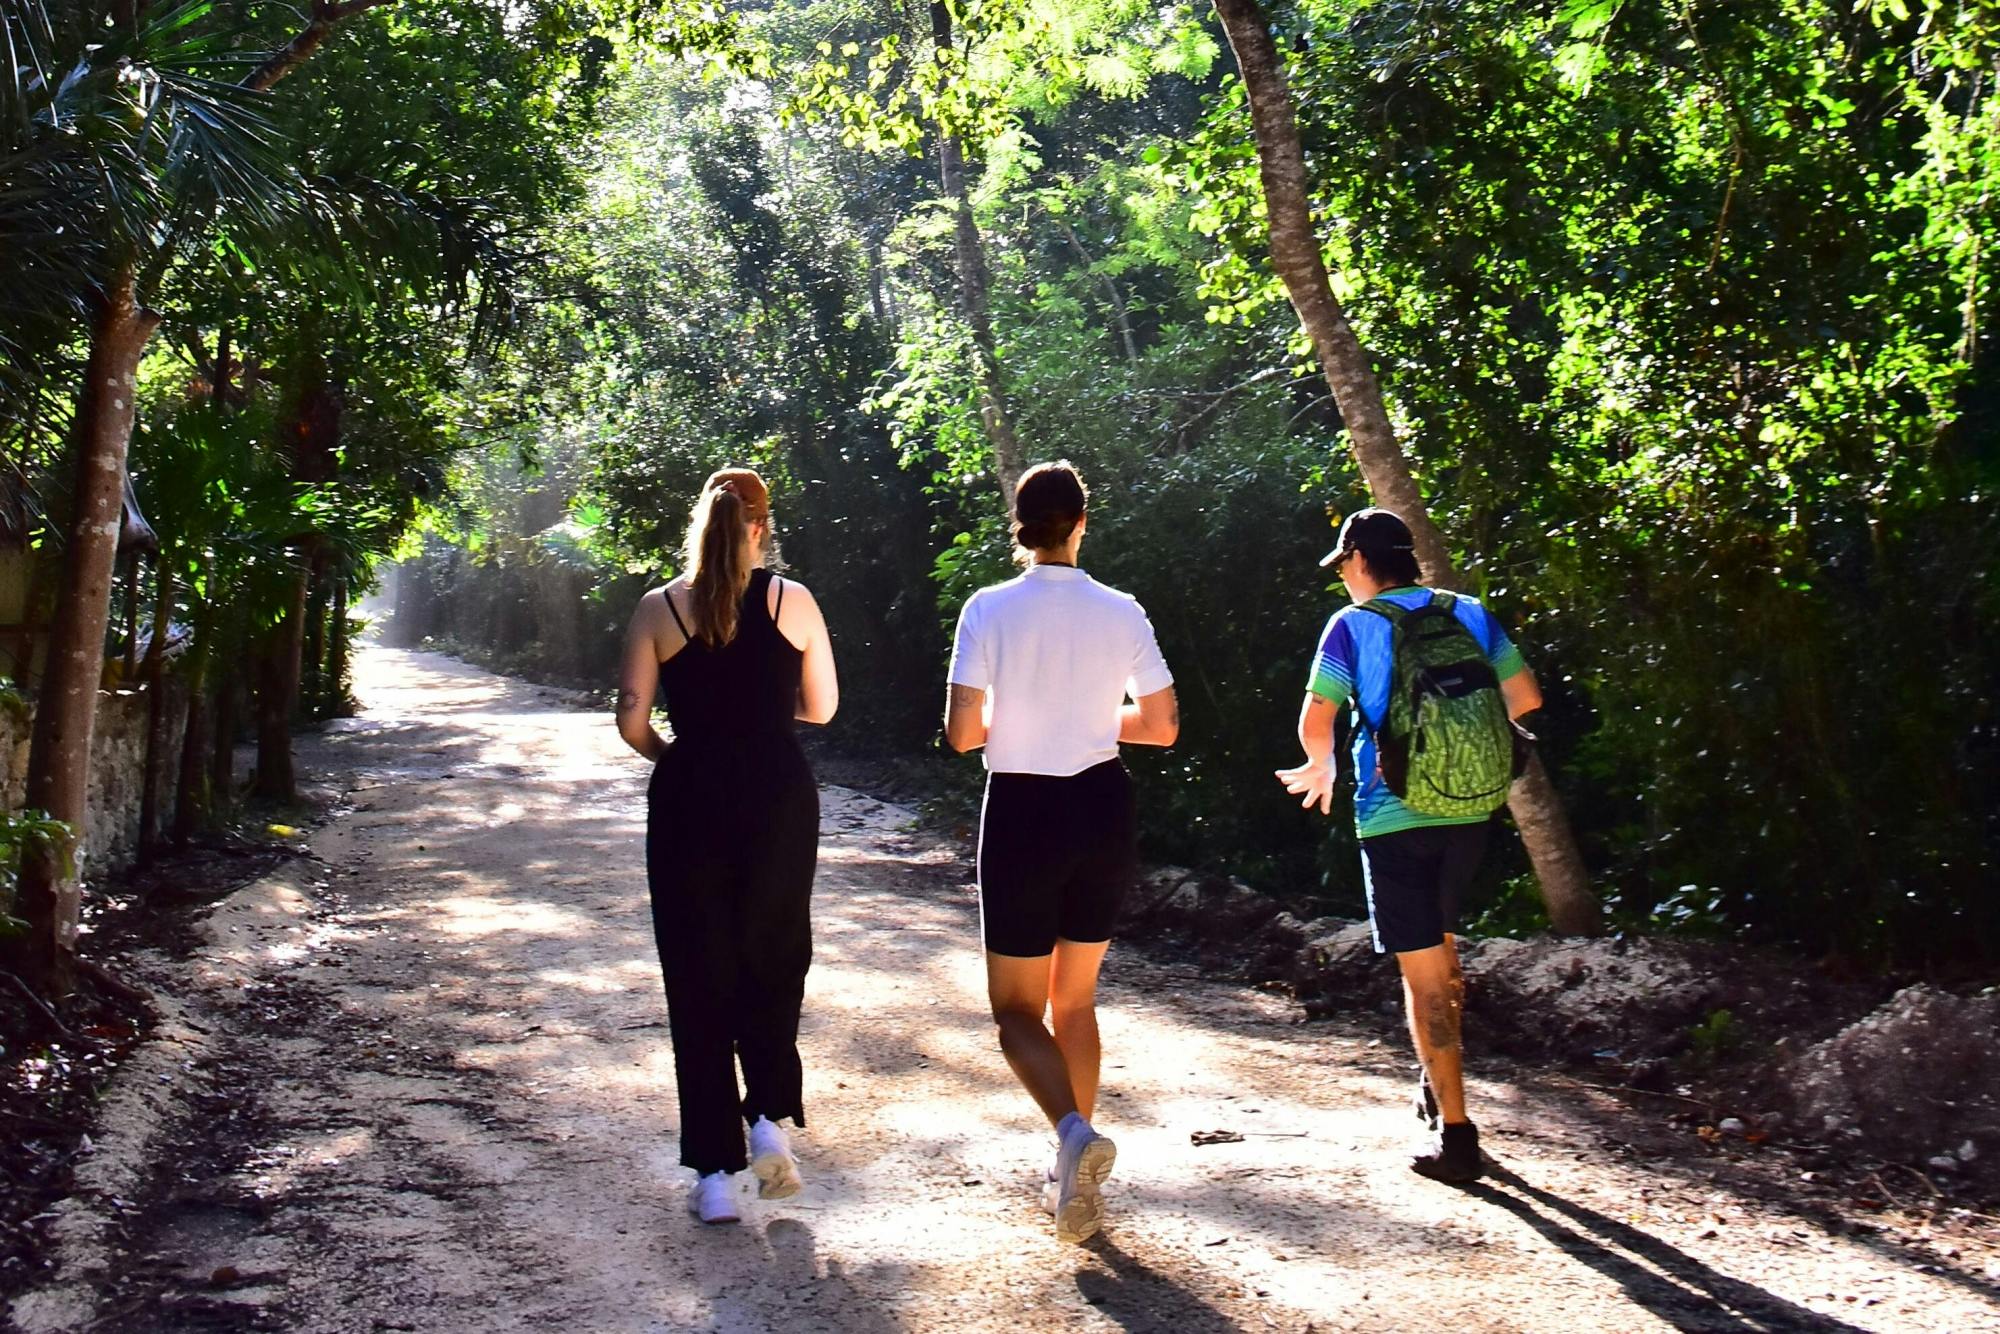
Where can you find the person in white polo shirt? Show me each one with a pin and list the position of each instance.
(1050, 672)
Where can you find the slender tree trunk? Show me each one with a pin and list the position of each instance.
(876, 304)
(277, 692)
(65, 715)
(314, 427)
(1119, 314)
(156, 713)
(130, 674)
(222, 755)
(975, 285)
(312, 701)
(1295, 253)
(191, 802)
(336, 654)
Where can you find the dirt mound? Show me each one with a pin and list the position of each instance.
(1919, 1078)
(1629, 999)
(1916, 1079)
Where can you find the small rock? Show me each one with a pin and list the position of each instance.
(1968, 1152)
(1731, 1125)
(1652, 1073)
(1943, 1162)
(224, 1276)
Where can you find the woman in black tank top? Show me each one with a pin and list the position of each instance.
(732, 833)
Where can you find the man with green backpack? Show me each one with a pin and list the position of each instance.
(1435, 684)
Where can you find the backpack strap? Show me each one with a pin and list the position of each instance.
(1392, 612)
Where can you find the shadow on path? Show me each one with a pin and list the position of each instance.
(1665, 1281)
(1140, 1298)
(795, 1265)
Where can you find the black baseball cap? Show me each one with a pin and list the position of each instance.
(1371, 530)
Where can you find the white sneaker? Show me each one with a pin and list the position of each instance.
(771, 1159)
(1082, 1164)
(713, 1199)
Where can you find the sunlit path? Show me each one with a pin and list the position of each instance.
(467, 1099)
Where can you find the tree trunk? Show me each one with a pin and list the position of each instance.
(156, 713)
(130, 672)
(1295, 254)
(191, 802)
(1118, 311)
(277, 691)
(65, 715)
(336, 653)
(313, 696)
(876, 304)
(222, 757)
(974, 287)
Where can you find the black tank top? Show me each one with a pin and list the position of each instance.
(749, 687)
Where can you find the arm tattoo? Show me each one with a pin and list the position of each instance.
(628, 700)
(967, 697)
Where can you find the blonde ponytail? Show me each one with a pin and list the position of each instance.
(719, 559)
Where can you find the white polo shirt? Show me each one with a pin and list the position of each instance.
(1058, 652)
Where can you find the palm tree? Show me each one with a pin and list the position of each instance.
(131, 132)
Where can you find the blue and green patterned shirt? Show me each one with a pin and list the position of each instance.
(1354, 663)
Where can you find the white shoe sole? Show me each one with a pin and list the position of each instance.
(777, 1176)
(1080, 1216)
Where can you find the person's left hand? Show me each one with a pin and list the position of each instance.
(1315, 779)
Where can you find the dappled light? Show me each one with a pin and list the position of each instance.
(510, 1094)
(412, 412)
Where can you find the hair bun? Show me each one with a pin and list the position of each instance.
(1048, 504)
(1042, 534)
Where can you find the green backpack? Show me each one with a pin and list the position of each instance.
(1447, 746)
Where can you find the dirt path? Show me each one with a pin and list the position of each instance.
(426, 1085)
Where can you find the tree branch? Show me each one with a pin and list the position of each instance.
(326, 17)
(41, 1006)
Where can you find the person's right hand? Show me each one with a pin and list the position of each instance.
(1315, 779)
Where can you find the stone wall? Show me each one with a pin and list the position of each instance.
(117, 770)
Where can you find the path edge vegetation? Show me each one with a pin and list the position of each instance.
(932, 93)
(49, 895)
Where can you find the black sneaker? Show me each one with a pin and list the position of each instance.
(1453, 1157)
(1427, 1103)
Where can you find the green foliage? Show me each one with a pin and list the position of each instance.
(1716, 1038)
(23, 832)
(1679, 312)
(1687, 339)
(1684, 313)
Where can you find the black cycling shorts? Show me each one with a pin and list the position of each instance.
(1056, 858)
(1417, 881)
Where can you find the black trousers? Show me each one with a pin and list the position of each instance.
(732, 838)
